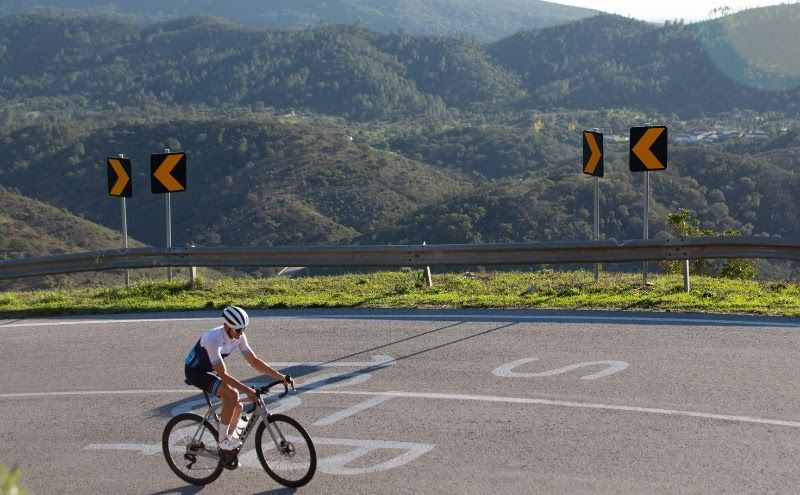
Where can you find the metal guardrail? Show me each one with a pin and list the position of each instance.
(410, 255)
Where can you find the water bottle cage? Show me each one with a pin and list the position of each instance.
(241, 430)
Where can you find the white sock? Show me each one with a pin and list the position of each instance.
(223, 432)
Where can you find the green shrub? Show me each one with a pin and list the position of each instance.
(8, 481)
(685, 224)
(738, 268)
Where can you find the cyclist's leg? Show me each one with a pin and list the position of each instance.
(204, 380)
(231, 408)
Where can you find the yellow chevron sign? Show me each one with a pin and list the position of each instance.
(593, 153)
(119, 177)
(648, 148)
(168, 172)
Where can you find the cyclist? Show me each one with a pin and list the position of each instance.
(205, 369)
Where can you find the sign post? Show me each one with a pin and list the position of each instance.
(648, 152)
(593, 165)
(119, 185)
(168, 175)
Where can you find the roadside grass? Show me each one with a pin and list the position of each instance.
(9, 479)
(406, 289)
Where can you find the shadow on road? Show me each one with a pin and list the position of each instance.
(278, 491)
(300, 370)
(191, 489)
(181, 490)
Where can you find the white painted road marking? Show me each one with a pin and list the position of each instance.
(611, 368)
(146, 449)
(20, 395)
(582, 405)
(334, 464)
(337, 464)
(466, 397)
(351, 411)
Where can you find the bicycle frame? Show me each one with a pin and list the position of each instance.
(260, 411)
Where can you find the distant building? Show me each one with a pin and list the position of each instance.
(730, 134)
(759, 134)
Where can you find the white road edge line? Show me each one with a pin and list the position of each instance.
(422, 317)
(185, 391)
(461, 397)
(582, 405)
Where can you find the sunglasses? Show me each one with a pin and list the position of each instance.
(237, 331)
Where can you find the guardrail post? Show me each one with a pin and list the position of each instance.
(192, 272)
(427, 274)
(687, 285)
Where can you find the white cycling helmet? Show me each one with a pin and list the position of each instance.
(235, 317)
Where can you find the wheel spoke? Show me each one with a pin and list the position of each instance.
(289, 458)
(190, 449)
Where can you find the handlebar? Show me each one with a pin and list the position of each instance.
(265, 389)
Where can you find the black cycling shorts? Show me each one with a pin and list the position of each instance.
(204, 380)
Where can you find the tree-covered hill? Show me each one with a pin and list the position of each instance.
(482, 18)
(727, 191)
(350, 71)
(33, 228)
(611, 61)
(279, 181)
(491, 151)
(248, 183)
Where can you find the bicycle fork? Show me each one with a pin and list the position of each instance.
(284, 446)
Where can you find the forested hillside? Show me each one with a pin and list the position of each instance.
(280, 181)
(482, 18)
(32, 228)
(349, 71)
(344, 135)
(248, 183)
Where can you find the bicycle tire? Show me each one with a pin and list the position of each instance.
(299, 443)
(215, 470)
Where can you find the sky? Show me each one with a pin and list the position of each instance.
(659, 11)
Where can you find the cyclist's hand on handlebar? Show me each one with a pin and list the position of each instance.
(288, 380)
(251, 395)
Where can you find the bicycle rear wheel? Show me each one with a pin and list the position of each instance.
(190, 448)
(289, 457)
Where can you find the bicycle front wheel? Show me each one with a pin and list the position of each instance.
(190, 448)
(286, 451)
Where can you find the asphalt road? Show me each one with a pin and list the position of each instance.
(424, 401)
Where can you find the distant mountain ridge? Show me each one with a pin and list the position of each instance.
(483, 18)
(359, 74)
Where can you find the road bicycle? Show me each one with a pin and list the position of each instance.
(284, 448)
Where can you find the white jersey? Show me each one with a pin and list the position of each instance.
(214, 346)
